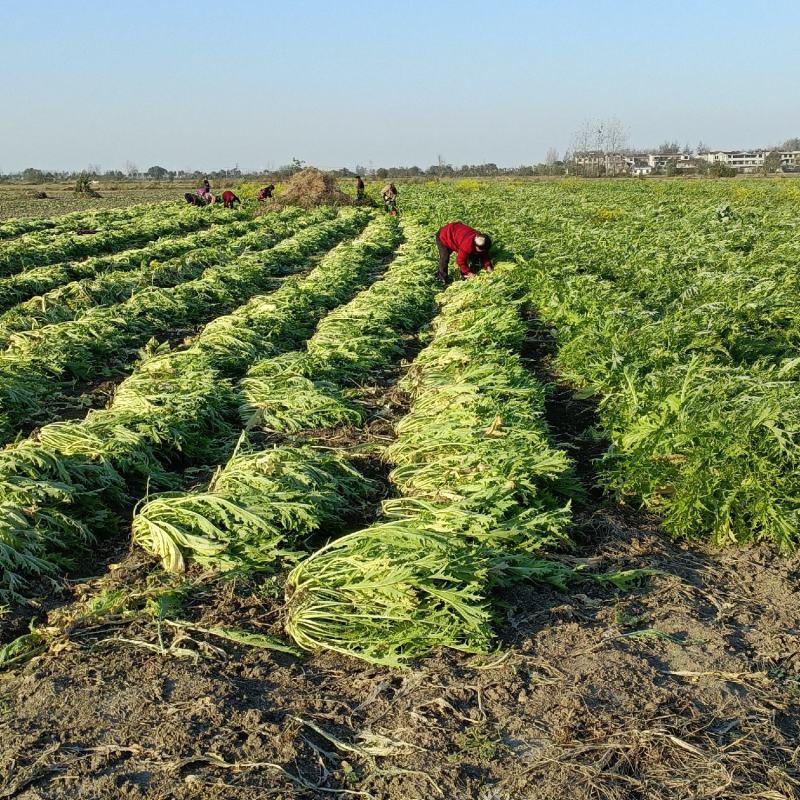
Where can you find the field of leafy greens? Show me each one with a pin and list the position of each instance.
(676, 307)
(276, 432)
(673, 307)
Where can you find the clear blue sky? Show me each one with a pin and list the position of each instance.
(338, 83)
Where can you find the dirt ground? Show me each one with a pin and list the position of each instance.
(16, 200)
(687, 687)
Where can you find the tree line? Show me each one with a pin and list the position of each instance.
(607, 137)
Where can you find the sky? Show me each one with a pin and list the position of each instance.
(206, 85)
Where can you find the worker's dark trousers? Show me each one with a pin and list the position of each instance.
(444, 259)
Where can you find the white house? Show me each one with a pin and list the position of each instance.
(660, 161)
(741, 160)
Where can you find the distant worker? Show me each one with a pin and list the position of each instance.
(206, 185)
(389, 194)
(266, 192)
(470, 246)
(359, 188)
(199, 198)
(204, 195)
(229, 198)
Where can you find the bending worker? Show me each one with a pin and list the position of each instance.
(470, 246)
(389, 194)
(229, 198)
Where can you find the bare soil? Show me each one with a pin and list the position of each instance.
(687, 687)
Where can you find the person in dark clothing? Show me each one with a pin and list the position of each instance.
(470, 246)
(195, 199)
(359, 188)
(206, 186)
(266, 192)
(229, 198)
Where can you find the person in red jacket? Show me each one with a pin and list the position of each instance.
(469, 245)
(229, 198)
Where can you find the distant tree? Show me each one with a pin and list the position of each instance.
(606, 137)
(791, 144)
(84, 185)
(772, 161)
(31, 175)
(381, 173)
(157, 173)
(669, 147)
(612, 136)
(551, 157)
(720, 170)
(702, 147)
(131, 170)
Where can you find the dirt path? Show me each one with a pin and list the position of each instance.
(687, 686)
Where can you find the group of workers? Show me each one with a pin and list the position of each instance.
(470, 246)
(205, 197)
(388, 194)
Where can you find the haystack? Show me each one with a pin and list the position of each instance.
(312, 187)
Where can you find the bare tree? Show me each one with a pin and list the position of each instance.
(582, 145)
(601, 143)
(583, 139)
(551, 157)
(131, 170)
(615, 145)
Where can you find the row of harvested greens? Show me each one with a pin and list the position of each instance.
(481, 495)
(38, 364)
(123, 229)
(74, 481)
(479, 492)
(263, 505)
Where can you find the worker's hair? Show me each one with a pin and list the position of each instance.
(483, 242)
